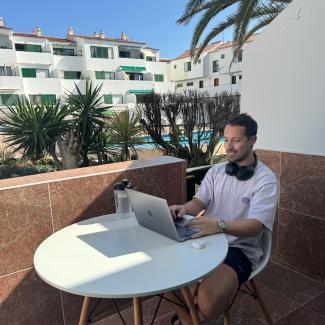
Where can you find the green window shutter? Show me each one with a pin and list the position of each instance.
(99, 52)
(48, 99)
(159, 78)
(187, 66)
(28, 73)
(100, 74)
(33, 48)
(72, 74)
(240, 56)
(8, 99)
(108, 99)
(215, 66)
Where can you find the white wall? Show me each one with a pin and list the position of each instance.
(283, 85)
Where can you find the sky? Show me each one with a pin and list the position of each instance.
(150, 21)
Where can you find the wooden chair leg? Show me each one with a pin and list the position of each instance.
(137, 308)
(226, 317)
(188, 299)
(261, 302)
(84, 311)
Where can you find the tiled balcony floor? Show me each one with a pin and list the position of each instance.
(291, 298)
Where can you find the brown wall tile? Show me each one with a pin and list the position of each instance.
(25, 221)
(271, 159)
(82, 198)
(303, 184)
(26, 299)
(164, 181)
(301, 243)
(274, 249)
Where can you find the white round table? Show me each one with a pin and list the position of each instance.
(112, 256)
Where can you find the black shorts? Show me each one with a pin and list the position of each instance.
(238, 261)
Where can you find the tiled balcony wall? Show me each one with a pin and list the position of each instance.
(298, 236)
(33, 207)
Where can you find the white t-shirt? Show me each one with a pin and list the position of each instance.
(228, 198)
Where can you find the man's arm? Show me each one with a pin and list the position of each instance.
(237, 228)
(193, 208)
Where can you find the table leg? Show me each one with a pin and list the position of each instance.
(137, 307)
(189, 301)
(84, 311)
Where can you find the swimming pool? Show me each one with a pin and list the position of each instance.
(150, 144)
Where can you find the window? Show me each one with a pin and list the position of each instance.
(5, 71)
(108, 99)
(124, 54)
(42, 73)
(8, 99)
(42, 99)
(240, 77)
(215, 66)
(187, 66)
(72, 74)
(240, 56)
(201, 84)
(216, 82)
(159, 78)
(35, 73)
(134, 76)
(105, 75)
(233, 80)
(222, 56)
(28, 73)
(151, 58)
(179, 85)
(189, 84)
(101, 52)
(175, 66)
(63, 51)
(28, 47)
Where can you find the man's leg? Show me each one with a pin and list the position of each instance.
(216, 291)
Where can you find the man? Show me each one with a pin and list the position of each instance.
(239, 198)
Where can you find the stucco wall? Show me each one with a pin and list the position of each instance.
(283, 86)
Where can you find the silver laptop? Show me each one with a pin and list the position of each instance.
(153, 213)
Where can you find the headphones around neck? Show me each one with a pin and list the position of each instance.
(242, 173)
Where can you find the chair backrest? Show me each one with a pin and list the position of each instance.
(266, 243)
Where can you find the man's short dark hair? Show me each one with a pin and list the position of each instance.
(246, 121)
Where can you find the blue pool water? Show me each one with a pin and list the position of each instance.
(149, 144)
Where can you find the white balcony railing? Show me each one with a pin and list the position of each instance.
(7, 57)
(34, 58)
(10, 84)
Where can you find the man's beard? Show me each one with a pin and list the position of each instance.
(241, 158)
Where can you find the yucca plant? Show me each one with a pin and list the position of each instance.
(125, 133)
(88, 114)
(32, 128)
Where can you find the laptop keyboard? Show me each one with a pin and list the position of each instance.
(183, 232)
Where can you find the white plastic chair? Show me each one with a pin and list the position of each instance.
(266, 243)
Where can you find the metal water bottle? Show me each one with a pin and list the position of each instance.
(122, 204)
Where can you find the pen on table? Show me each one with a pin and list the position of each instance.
(200, 214)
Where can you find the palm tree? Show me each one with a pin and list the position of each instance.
(247, 17)
(88, 114)
(125, 133)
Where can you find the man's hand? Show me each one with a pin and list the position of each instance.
(177, 211)
(205, 226)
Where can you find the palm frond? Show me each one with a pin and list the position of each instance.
(215, 8)
(223, 25)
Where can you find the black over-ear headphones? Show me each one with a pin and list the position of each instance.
(242, 173)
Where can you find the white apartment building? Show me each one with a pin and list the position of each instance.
(213, 72)
(42, 67)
